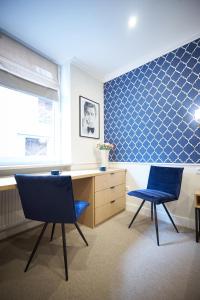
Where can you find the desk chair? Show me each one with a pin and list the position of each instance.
(164, 185)
(50, 199)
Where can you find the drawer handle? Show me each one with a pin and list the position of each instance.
(112, 187)
(112, 201)
(112, 173)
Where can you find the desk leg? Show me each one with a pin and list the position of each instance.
(199, 221)
(196, 224)
(84, 189)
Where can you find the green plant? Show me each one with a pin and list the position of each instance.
(105, 146)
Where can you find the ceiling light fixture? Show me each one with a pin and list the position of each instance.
(132, 22)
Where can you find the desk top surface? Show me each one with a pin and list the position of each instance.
(9, 183)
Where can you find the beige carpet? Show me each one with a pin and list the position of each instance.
(120, 263)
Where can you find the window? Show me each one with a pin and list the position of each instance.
(29, 129)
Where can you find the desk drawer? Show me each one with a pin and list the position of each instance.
(105, 196)
(106, 211)
(102, 198)
(101, 182)
(116, 192)
(102, 213)
(116, 178)
(105, 181)
(119, 205)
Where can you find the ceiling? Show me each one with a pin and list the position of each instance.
(94, 34)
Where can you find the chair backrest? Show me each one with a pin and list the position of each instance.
(166, 179)
(47, 198)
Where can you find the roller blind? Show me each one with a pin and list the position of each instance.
(22, 68)
(17, 83)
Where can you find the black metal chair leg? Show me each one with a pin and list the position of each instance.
(36, 245)
(136, 213)
(156, 224)
(64, 250)
(79, 230)
(170, 217)
(196, 224)
(52, 232)
(151, 211)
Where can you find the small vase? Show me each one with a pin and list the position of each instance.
(104, 158)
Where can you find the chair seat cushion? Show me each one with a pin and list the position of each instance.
(153, 195)
(80, 206)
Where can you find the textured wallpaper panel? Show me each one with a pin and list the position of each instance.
(149, 111)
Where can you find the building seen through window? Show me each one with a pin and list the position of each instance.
(28, 126)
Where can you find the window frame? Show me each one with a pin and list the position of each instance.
(10, 169)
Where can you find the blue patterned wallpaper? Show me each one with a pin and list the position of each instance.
(149, 111)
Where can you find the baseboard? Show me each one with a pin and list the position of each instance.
(26, 225)
(181, 221)
(130, 206)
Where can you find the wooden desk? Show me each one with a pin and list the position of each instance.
(104, 190)
(197, 214)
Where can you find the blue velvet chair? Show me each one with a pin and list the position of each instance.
(164, 185)
(50, 199)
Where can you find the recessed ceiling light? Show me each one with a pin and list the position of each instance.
(132, 22)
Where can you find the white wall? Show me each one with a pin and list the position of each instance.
(84, 150)
(65, 105)
(182, 210)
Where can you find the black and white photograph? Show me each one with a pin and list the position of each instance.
(88, 118)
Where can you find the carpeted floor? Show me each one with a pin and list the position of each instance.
(120, 263)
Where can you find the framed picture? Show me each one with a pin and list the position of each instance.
(89, 120)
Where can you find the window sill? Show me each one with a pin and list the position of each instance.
(11, 170)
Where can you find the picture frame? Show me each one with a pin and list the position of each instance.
(89, 118)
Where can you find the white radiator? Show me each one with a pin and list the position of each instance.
(11, 213)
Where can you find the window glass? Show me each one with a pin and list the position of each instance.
(28, 128)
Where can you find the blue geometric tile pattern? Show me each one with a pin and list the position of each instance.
(149, 111)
